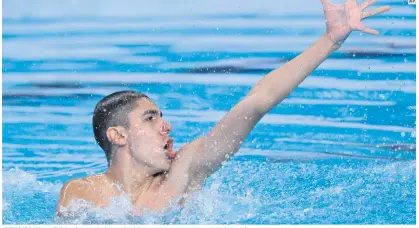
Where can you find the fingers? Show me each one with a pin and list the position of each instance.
(368, 30)
(366, 3)
(375, 11)
(326, 5)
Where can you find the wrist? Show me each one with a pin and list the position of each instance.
(330, 43)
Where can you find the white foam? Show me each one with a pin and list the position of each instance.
(118, 210)
(26, 183)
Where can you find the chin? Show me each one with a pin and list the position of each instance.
(164, 166)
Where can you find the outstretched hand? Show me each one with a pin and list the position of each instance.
(342, 19)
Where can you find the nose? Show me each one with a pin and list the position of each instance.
(165, 128)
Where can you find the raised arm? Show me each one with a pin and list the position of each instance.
(227, 136)
(206, 154)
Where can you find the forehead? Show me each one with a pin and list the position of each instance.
(143, 105)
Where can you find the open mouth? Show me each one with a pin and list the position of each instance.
(169, 148)
(169, 144)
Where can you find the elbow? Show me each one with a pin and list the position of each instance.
(262, 107)
(262, 103)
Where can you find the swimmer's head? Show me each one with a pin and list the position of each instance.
(130, 119)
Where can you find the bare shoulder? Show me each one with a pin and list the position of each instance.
(72, 189)
(79, 188)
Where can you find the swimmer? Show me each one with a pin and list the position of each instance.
(132, 132)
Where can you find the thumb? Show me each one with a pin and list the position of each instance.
(325, 2)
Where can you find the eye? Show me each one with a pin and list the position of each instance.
(150, 118)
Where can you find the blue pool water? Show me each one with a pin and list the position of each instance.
(339, 150)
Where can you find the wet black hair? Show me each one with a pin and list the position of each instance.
(110, 111)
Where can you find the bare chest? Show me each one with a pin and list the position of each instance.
(154, 201)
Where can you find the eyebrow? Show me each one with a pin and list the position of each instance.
(153, 112)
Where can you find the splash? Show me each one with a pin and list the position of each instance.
(246, 192)
(27, 200)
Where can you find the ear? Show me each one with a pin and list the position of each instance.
(117, 135)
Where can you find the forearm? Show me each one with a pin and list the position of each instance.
(236, 125)
(278, 84)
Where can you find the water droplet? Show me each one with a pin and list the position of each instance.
(403, 134)
(306, 210)
(359, 74)
(353, 55)
(405, 60)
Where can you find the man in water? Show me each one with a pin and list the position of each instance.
(131, 130)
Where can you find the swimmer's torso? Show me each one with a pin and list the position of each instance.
(155, 194)
(98, 191)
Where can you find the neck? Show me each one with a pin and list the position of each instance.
(131, 177)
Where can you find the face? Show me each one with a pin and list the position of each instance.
(148, 136)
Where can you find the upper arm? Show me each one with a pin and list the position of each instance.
(226, 137)
(70, 191)
(198, 159)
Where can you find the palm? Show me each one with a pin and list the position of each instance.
(344, 18)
